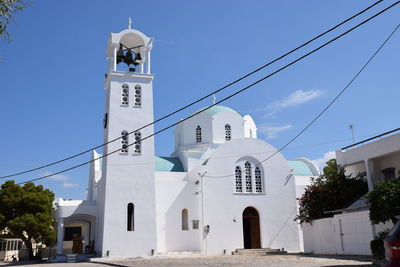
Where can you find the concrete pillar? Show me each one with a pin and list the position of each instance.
(148, 62)
(60, 235)
(369, 168)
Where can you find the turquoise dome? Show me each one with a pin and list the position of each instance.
(216, 109)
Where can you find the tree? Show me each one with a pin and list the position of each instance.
(384, 201)
(7, 8)
(26, 212)
(331, 191)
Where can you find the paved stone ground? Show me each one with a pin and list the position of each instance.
(249, 261)
(230, 261)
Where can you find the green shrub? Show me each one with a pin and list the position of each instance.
(377, 247)
(384, 201)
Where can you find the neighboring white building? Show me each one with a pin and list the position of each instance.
(216, 193)
(350, 230)
(377, 161)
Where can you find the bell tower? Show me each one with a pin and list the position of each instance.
(127, 220)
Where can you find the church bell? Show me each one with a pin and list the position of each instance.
(128, 60)
(120, 55)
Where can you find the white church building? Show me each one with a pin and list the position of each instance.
(214, 194)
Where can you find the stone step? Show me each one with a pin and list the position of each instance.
(71, 258)
(257, 251)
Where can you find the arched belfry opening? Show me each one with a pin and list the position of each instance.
(129, 51)
(251, 228)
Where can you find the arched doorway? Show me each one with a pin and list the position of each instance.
(251, 228)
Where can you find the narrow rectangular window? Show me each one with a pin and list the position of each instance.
(125, 95)
(131, 217)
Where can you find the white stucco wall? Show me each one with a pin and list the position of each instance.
(384, 146)
(174, 192)
(249, 127)
(128, 178)
(223, 208)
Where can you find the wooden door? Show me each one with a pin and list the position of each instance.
(251, 228)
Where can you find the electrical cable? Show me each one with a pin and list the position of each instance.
(198, 100)
(330, 103)
(247, 87)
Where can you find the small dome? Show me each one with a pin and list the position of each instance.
(216, 109)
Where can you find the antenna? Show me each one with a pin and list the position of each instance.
(351, 128)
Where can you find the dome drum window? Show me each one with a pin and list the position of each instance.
(124, 142)
(198, 134)
(228, 134)
(252, 182)
(125, 95)
(138, 96)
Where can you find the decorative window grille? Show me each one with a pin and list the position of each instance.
(248, 178)
(138, 96)
(198, 134)
(258, 179)
(125, 95)
(238, 179)
(124, 141)
(185, 219)
(138, 143)
(228, 135)
(131, 217)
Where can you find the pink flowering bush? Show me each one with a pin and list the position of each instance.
(331, 191)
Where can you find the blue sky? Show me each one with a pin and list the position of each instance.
(52, 73)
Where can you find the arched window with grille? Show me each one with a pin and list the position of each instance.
(198, 134)
(258, 179)
(228, 133)
(248, 177)
(125, 95)
(185, 219)
(238, 179)
(131, 217)
(138, 96)
(138, 143)
(124, 141)
(251, 179)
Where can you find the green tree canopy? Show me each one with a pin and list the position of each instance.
(384, 201)
(27, 212)
(331, 191)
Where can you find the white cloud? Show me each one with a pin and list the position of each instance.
(57, 177)
(296, 98)
(320, 163)
(69, 185)
(272, 131)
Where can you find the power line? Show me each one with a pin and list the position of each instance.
(326, 108)
(337, 96)
(198, 100)
(247, 87)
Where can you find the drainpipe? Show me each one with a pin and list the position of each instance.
(202, 211)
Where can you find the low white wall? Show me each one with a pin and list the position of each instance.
(346, 233)
(319, 237)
